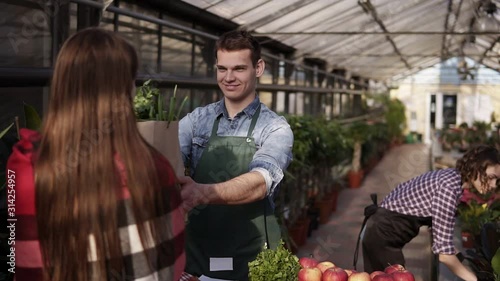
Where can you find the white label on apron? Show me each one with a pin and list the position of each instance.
(220, 264)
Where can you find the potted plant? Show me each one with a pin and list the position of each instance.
(475, 211)
(357, 133)
(158, 124)
(495, 265)
(373, 150)
(297, 189)
(395, 118)
(335, 151)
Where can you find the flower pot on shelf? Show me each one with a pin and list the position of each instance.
(355, 178)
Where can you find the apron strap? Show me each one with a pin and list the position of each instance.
(268, 246)
(369, 211)
(215, 127)
(254, 121)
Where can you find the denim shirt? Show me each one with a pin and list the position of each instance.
(272, 134)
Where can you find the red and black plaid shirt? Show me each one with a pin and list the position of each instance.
(29, 264)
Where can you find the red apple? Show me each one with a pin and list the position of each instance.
(402, 275)
(393, 267)
(375, 273)
(334, 274)
(307, 262)
(359, 276)
(349, 271)
(383, 277)
(324, 265)
(310, 274)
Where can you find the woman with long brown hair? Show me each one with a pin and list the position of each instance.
(94, 201)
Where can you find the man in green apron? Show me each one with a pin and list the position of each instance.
(236, 151)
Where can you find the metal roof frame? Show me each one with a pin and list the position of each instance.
(383, 40)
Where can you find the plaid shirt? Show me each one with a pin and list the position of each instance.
(435, 194)
(29, 265)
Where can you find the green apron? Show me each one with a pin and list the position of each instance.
(234, 232)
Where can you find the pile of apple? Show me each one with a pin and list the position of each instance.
(313, 270)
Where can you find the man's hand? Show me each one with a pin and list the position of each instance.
(192, 193)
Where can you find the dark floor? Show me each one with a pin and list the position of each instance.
(336, 240)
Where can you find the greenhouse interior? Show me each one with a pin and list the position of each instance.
(379, 95)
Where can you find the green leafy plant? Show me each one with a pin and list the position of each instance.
(357, 133)
(276, 265)
(395, 117)
(495, 264)
(32, 118)
(149, 104)
(474, 215)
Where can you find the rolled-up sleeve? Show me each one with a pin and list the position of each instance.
(185, 137)
(443, 220)
(274, 153)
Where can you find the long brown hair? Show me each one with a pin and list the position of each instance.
(89, 124)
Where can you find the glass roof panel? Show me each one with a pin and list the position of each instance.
(269, 11)
(374, 38)
(229, 9)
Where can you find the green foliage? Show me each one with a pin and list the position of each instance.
(395, 117)
(375, 145)
(474, 215)
(145, 101)
(463, 137)
(276, 265)
(33, 120)
(478, 134)
(149, 104)
(303, 137)
(318, 141)
(495, 264)
(358, 132)
(337, 145)
(6, 130)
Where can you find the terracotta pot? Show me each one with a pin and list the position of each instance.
(325, 209)
(301, 227)
(467, 240)
(294, 234)
(355, 178)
